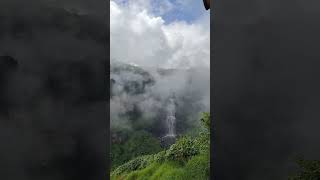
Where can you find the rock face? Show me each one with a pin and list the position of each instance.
(125, 78)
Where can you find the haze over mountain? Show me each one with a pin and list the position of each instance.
(139, 94)
(152, 58)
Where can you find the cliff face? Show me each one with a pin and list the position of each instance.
(129, 79)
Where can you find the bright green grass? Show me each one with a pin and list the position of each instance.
(187, 159)
(143, 174)
(197, 168)
(169, 171)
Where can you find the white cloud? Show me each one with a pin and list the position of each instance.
(141, 37)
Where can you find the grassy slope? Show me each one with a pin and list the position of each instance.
(187, 159)
(197, 168)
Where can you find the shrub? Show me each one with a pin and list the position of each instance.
(187, 159)
(309, 170)
(205, 120)
(197, 167)
(203, 138)
(133, 165)
(160, 157)
(182, 150)
(142, 143)
(139, 143)
(203, 143)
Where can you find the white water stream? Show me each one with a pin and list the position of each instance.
(171, 118)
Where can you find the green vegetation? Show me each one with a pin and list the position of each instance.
(182, 150)
(309, 170)
(134, 145)
(187, 159)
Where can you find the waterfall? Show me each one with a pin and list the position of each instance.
(170, 122)
(171, 118)
(170, 136)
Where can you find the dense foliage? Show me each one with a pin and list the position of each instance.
(137, 144)
(309, 170)
(187, 159)
(182, 150)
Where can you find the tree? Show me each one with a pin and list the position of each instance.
(309, 170)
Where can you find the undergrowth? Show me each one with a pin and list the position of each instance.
(187, 159)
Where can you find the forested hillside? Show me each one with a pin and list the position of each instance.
(187, 159)
(139, 102)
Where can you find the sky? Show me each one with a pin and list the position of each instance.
(172, 10)
(161, 34)
(167, 34)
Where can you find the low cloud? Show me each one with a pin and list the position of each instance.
(140, 37)
(174, 55)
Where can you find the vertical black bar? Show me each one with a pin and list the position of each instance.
(266, 99)
(54, 90)
(212, 95)
(107, 82)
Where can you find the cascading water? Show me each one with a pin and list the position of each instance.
(171, 118)
(170, 136)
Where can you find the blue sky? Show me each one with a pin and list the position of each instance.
(176, 10)
(154, 33)
(184, 10)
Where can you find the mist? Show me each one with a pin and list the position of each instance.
(163, 59)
